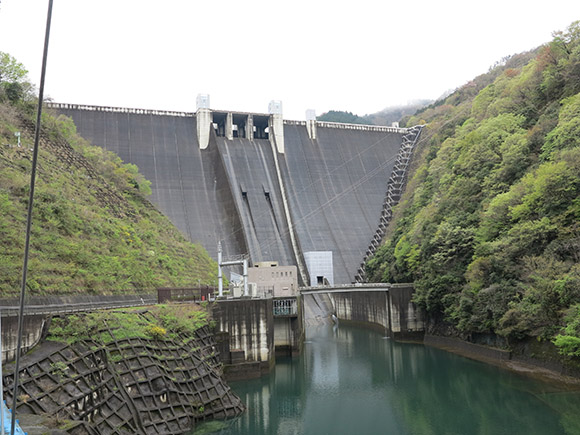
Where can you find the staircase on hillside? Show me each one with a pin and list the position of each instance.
(395, 188)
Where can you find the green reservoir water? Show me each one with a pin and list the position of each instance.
(354, 381)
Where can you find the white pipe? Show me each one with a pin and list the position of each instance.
(246, 292)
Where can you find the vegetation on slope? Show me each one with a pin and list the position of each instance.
(489, 229)
(93, 230)
(341, 116)
(157, 322)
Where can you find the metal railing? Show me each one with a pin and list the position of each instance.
(347, 126)
(363, 127)
(185, 294)
(58, 305)
(285, 307)
(111, 109)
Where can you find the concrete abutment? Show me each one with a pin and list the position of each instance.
(250, 334)
(384, 307)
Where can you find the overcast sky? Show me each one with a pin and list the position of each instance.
(360, 56)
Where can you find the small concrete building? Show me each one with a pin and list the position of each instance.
(272, 280)
(320, 268)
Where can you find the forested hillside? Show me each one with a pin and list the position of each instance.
(93, 229)
(384, 117)
(489, 226)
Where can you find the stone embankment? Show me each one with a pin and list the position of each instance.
(530, 357)
(113, 381)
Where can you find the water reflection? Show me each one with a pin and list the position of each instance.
(353, 381)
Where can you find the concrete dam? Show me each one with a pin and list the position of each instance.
(307, 193)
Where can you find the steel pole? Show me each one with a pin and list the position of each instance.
(29, 216)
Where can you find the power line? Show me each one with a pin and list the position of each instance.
(29, 216)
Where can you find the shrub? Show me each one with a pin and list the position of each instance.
(156, 332)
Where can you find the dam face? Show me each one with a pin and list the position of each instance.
(275, 194)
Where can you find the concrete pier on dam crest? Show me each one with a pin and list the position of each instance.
(273, 189)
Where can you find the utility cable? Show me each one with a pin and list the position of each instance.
(29, 217)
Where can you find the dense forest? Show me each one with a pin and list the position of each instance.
(93, 229)
(384, 117)
(489, 226)
(341, 116)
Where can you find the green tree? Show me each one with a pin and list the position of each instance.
(567, 132)
(14, 84)
(11, 71)
(341, 116)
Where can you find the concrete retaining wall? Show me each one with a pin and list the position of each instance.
(288, 336)
(407, 321)
(389, 309)
(39, 309)
(363, 307)
(33, 327)
(249, 336)
(539, 359)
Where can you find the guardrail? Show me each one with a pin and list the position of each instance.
(185, 294)
(347, 126)
(56, 305)
(380, 286)
(111, 109)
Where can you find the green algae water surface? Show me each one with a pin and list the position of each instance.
(354, 381)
